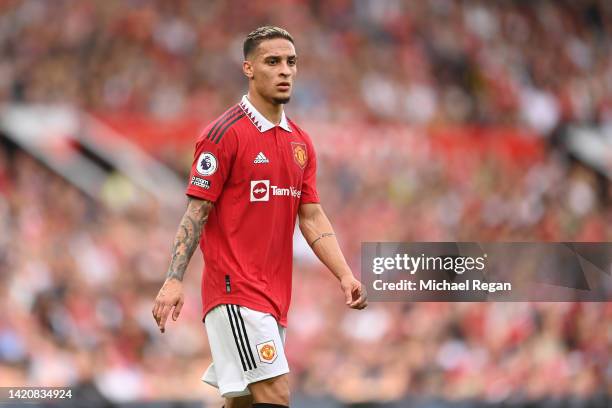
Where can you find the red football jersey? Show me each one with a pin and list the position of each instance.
(257, 174)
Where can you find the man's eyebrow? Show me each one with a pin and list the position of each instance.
(279, 56)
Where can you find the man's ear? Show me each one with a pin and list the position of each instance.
(247, 69)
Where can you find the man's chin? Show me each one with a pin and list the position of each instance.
(281, 100)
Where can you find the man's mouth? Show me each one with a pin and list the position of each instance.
(283, 86)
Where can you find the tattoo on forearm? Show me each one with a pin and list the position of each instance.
(325, 234)
(188, 237)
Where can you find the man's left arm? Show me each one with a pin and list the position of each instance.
(319, 234)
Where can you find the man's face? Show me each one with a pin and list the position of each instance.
(272, 67)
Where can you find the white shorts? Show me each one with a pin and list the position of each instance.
(246, 345)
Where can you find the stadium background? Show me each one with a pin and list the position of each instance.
(433, 120)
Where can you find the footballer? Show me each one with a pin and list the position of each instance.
(254, 173)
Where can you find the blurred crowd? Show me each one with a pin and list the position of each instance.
(422, 62)
(78, 280)
(78, 283)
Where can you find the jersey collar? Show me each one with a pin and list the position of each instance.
(260, 120)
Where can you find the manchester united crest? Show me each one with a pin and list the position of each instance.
(267, 352)
(300, 154)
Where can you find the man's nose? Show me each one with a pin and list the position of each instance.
(285, 70)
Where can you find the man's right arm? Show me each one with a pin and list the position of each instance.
(185, 243)
(188, 236)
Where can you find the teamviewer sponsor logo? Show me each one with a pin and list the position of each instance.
(260, 190)
(286, 192)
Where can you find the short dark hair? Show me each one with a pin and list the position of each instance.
(261, 34)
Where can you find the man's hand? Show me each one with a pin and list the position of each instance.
(169, 296)
(354, 293)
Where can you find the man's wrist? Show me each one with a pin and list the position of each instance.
(173, 277)
(345, 275)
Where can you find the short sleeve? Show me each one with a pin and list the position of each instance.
(309, 181)
(211, 166)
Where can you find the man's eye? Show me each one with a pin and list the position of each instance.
(272, 62)
(291, 62)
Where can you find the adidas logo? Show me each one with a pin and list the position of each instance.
(261, 158)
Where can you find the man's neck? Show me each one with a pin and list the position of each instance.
(272, 112)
